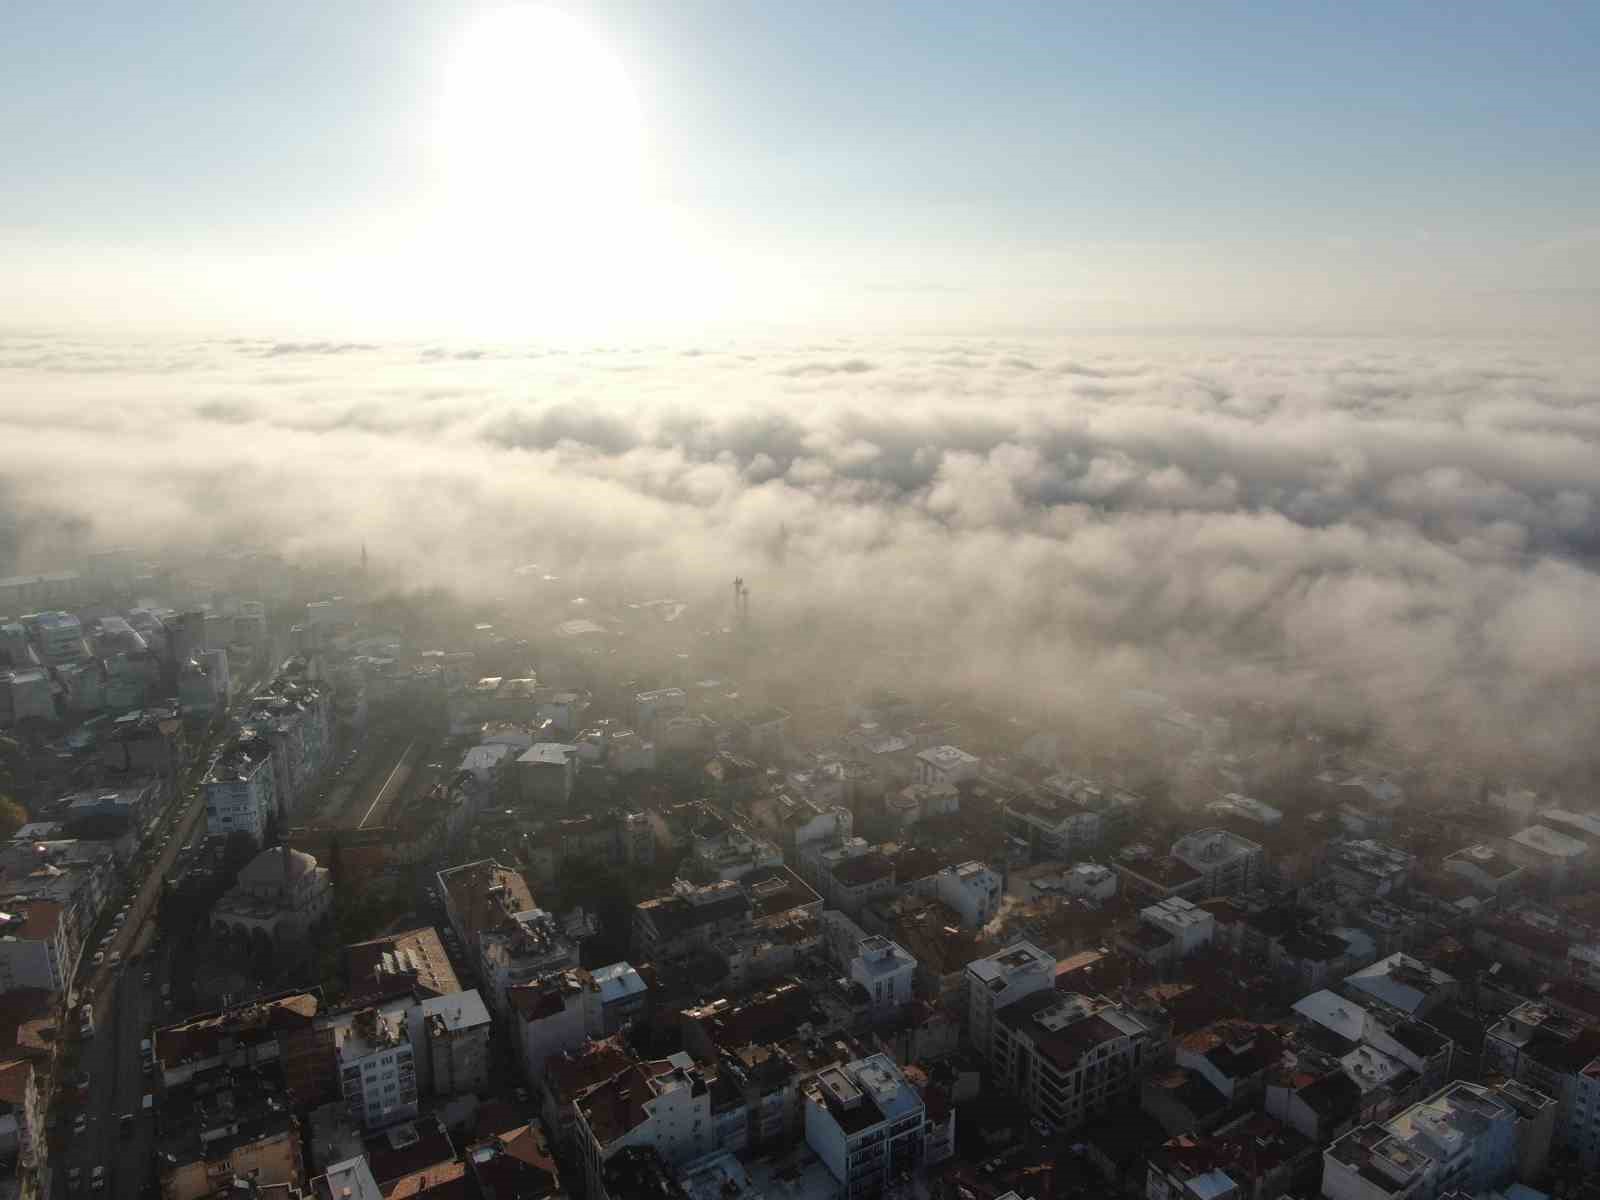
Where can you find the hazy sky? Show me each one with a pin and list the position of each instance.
(399, 166)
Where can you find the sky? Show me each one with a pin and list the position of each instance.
(415, 168)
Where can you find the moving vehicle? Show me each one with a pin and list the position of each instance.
(166, 990)
(98, 1180)
(127, 1124)
(79, 1123)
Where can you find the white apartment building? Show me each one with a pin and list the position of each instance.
(970, 888)
(377, 1068)
(887, 972)
(664, 1105)
(241, 790)
(868, 1125)
(1002, 979)
(1228, 864)
(1466, 1138)
(1188, 925)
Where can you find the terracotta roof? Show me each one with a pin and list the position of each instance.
(42, 920)
(399, 962)
(441, 1180)
(14, 1078)
(568, 1073)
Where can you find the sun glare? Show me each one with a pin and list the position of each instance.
(541, 149)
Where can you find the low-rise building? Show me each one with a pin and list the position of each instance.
(1552, 855)
(1404, 984)
(1485, 868)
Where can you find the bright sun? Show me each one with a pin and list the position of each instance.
(541, 141)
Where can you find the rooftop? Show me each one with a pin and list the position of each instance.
(1543, 840)
(400, 962)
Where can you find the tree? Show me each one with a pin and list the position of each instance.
(12, 816)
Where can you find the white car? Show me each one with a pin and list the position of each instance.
(99, 957)
(80, 1123)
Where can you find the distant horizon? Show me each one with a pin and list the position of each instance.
(428, 168)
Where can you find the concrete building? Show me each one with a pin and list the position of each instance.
(1485, 868)
(1227, 863)
(868, 1125)
(947, 765)
(970, 888)
(546, 774)
(1069, 1057)
(688, 918)
(651, 707)
(30, 696)
(1080, 881)
(1403, 984)
(377, 1068)
(616, 996)
(886, 971)
(511, 939)
(548, 1018)
(1465, 1139)
(1554, 856)
(455, 1030)
(241, 790)
(1245, 808)
(1187, 925)
(1370, 868)
(36, 947)
(1066, 816)
(1546, 1049)
(664, 1106)
(1002, 979)
(58, 636)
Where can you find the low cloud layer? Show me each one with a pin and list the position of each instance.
(1402, 531)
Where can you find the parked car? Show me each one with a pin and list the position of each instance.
(98, 1180)
(99, 957)
(79, 1123)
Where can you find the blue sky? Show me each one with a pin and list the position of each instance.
(1163, 163)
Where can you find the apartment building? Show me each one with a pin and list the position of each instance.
(1002, 979)
(868, 1124)
(1548, 1050)
(1069, 1057)
(241, 790)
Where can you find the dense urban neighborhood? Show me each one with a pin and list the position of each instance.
(315, 889)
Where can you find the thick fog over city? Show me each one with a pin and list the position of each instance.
(851, 600)
(1396, 535)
